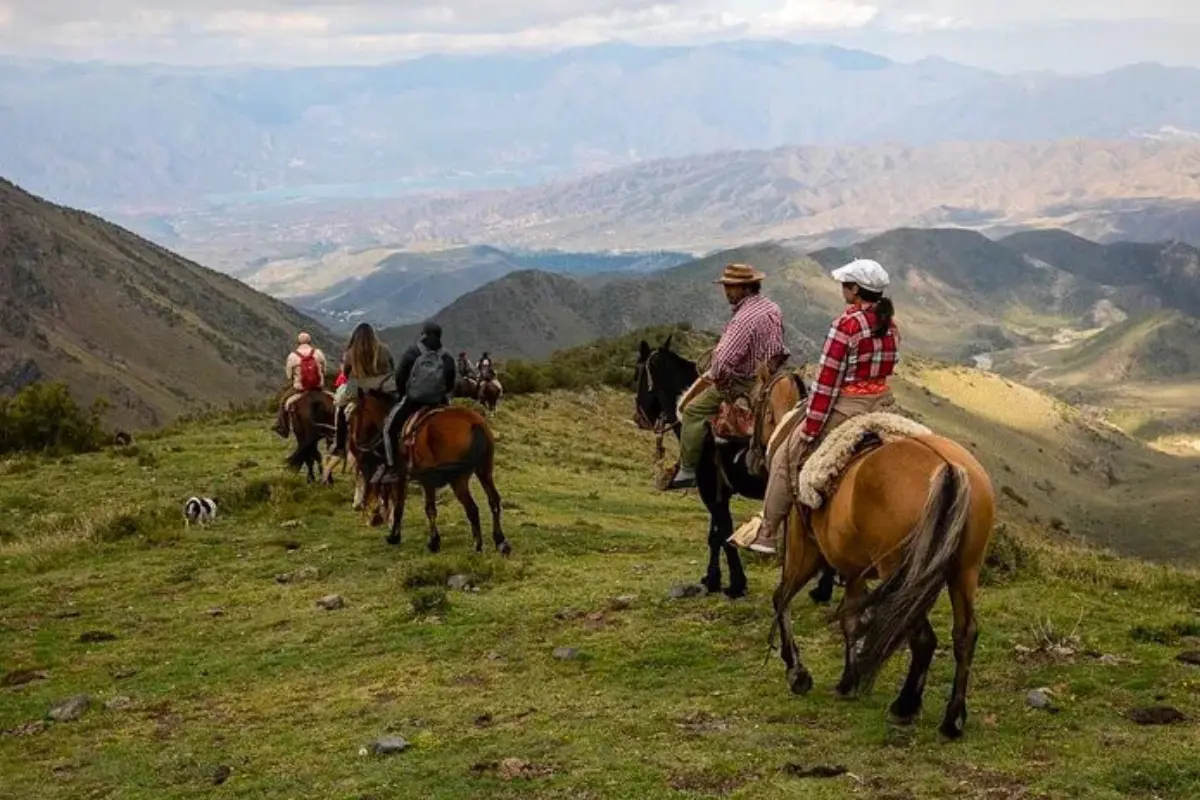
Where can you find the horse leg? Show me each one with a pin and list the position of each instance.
(822, 593)
(399, 495)
(733, 559)
(801, 558)
(718, 512)
(360, 492)
(484, 474)
(922, 643)
(856, 587)
(435, 536)
(462, 490)
(966, 634)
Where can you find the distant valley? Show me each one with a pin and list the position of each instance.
(395, 287)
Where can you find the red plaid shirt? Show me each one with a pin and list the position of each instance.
(851, 355)
(754, 334)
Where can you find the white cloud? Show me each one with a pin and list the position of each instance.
(356, 31)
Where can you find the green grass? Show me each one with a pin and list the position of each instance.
(667, 699)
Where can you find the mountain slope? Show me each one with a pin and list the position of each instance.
(729, 198)
(1171, 271)
(957, 294)
(91, 304)
(404, 287)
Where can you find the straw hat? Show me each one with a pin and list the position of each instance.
(737, 274)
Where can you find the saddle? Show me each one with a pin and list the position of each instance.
(857, 436)
(290, 403)
(408, 434)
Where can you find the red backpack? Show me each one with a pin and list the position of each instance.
(310, 372)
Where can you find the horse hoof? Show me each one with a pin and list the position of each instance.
(393, 539)
(902, 717)
(952, 729)
(820, 598)
(711, 586)
(736, 592)
(434, 546)
(504, 549)
(801, 682)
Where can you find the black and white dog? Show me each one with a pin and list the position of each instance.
(199, 509)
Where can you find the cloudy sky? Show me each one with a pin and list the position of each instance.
(1073, 35)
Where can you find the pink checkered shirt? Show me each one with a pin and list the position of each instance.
(754, 334)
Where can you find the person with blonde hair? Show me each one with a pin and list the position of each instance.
(368, 365)
(305, 369)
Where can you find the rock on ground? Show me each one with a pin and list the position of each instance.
(71, 709)
(389, 745)
(331, 602)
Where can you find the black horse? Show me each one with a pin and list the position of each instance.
(662, 377)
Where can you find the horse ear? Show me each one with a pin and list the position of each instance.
(643, 350)
(667, 344)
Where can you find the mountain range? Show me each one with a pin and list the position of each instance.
(151, 138)
(959, 293)
(1146, 190)
(394, 287)
(113, 315)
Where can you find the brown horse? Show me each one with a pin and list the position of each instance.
(916, 513)
(466, 387)
(490, 393)
(449, 446)
(311, 422)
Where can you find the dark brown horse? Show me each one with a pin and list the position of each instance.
(311, 423)
(450, 446)
(490, 393)
(466, 387)
(917, 513)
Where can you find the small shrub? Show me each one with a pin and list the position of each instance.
(1007, 558)
(1169, 635)
(122, 526)
(44, 417)
(429, 600)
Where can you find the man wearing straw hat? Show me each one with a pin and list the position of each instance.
(752, 336)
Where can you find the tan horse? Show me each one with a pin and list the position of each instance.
(918, 514)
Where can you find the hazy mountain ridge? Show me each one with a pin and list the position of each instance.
(1113, 189)
(113, 315)
(958, 293)
(149, 138)
(404, 287)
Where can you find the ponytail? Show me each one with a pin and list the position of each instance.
(884, 311)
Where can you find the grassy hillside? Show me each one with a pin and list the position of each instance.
(214, 675)
(1143, 372)
(113, 315)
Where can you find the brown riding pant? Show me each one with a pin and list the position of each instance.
(789, 459)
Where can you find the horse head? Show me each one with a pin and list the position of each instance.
(662, 377)
(775, 393)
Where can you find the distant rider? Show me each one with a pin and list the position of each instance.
(368, 365)
(427, 375)
(305, 370)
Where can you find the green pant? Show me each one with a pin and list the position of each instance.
(691, 437)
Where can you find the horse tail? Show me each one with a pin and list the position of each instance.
(889, 614)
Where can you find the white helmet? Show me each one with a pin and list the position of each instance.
(866, 272)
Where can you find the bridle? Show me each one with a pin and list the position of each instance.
(666, 420)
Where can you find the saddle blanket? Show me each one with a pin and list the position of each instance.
(824, 467)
